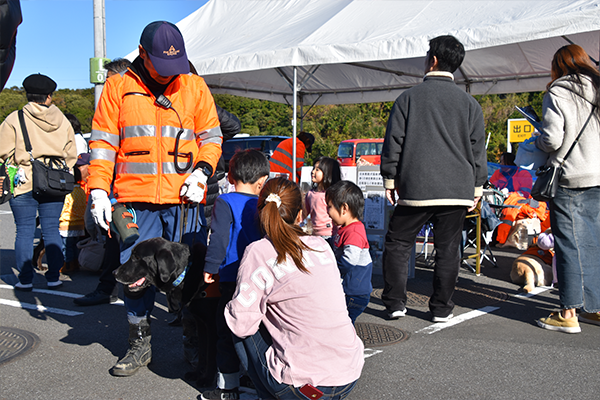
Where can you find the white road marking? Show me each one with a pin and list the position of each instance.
(47, 291)
(537, 290)
(371, 352)
(38, 307)
(5, 212)
(457, 320)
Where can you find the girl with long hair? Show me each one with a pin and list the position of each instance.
(325, 173)
(293, 333)
(572, 99)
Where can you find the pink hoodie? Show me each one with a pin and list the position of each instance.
(314, 340)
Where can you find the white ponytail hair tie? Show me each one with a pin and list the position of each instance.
(273, 198)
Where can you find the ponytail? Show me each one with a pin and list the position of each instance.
(279, 203)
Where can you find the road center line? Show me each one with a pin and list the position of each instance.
(37, 307)
(457, 320)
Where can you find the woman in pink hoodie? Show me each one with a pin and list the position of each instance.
(289, 313)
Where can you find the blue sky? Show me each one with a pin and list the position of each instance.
(56, 37)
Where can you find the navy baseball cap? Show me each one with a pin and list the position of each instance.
(83, 159)
(163, 42)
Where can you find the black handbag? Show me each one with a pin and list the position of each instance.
(546, 184)
(51, 177)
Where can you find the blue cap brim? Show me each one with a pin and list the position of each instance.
(173, 66)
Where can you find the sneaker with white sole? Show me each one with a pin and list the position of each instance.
(590, 318)
(23, 287)
(442, 319)
(221, 394)
(555, 322)
(396, 314)
(55, 284)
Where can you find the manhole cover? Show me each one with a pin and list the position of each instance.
(374, 335)
(15, 342)
(469, 295)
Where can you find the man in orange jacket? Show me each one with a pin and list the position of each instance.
(281, 160)
(155, 142)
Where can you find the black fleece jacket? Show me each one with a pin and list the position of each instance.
(434, 147)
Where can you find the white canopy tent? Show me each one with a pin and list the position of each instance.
(360, 51)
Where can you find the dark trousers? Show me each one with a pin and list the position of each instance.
(405, 224)
(110, 262)
(227, 358)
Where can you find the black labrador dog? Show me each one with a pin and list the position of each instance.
(164, 264)
(179, 274)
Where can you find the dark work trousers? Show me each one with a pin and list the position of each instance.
(405, 224)
(110, 262)
(227, 358)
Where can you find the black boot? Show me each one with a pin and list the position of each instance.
(139, 353)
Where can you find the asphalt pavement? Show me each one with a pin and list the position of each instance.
(492, 349)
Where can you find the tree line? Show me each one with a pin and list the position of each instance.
(330, 123)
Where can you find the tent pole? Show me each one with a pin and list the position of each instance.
(301, 114)
(295, 117)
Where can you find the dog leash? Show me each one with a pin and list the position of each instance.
(183, 216)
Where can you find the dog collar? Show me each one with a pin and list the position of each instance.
(180, 278)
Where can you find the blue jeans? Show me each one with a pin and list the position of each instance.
(356, 305)
(155, 220)
(70, 250)
(251, 352)
(24, 208)
(576, 228)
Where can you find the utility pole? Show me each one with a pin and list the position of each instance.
(97, 75)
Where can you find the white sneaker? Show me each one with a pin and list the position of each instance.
(442, 319)
(397, 314)
(54, 285)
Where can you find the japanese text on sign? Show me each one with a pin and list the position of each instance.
(519, 130)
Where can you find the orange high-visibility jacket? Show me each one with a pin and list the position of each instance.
(522, 208)
(135, 139)
(281, 160)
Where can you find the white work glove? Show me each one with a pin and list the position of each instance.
(194, 187)
(101, 208)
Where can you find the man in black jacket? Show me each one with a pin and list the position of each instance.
(434, 160)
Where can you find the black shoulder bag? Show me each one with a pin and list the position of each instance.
(546, 185)
(51, 177)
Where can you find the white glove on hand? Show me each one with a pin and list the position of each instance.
(194, 187)
(101, 208)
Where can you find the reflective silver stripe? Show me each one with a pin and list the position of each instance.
(169, 167)
(288, 155)
(216, 140)
(109, 138)
(282, 165)
(136, 168)
(210, 134)
(103, 154)
(171, 131)
(284, 152)
(138, 131)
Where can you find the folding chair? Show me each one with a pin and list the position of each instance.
(425, 238)
(473, 234)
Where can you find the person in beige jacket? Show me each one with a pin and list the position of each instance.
(51, 134)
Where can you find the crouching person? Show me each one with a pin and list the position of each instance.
(293, 333)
